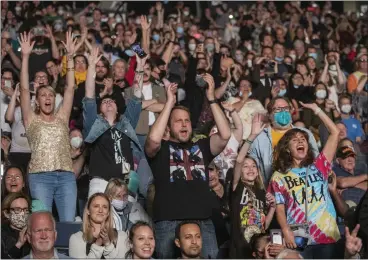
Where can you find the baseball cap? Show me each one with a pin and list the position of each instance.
(345, 152)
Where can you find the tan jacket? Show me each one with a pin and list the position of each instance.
(158, 93)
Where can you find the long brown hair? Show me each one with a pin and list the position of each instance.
(258, 182)
(282, 159)
(87, 227)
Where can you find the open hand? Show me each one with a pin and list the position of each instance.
(171, 94)
(144, 23)
(25, 43)
(210, 92)
(93, 58)
(257, 125)
(312, 106)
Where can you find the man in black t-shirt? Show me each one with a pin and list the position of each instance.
(180, 168)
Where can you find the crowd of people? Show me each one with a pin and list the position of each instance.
(228, 130)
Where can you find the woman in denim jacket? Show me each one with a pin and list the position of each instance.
(115, 149)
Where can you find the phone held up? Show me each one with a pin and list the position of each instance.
(276, 236)
(136, 47)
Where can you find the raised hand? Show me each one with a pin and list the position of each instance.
(71, 45)
(93, 58)
(49, 33)
(210, 92)
(108, 83)
(353, 244)
(228, 106)
(312, 106)
(158, 6)
(141, 61)
(171, 94)
(144, 23)
(25, 43)
(257, 125)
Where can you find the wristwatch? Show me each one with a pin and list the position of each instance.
(214, 101)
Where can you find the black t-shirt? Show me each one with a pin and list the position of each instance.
(108, 153)
(181, 181)
(40, 55)
(247, 217)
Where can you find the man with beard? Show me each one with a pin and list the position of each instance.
(104, 87)
(180, 168)
(41, 235)
(154, 95)
(188, 239)
(45, 48)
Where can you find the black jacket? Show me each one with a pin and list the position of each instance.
(9, 237)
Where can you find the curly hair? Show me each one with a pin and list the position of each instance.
(282, 158)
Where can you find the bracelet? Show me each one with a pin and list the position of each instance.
(317, 111)
(214, 101)
(69, 57)
(139, 71)
(248, 141)
(70, 69)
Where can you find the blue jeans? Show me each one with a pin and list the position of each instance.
(59, 186)
(165, 236)
(327, 251)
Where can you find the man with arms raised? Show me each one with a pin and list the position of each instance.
(180, 170)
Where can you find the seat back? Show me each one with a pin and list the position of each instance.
(64, 232)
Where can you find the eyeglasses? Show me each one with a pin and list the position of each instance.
(279, 109)
(19, 210)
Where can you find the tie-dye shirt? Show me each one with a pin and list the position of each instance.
(289, 189)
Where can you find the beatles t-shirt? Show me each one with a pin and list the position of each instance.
(181, 181)
(290, 189)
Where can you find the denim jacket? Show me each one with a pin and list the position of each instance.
(262, 151)
(95, 125)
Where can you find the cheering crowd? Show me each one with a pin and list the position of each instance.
(228, 130)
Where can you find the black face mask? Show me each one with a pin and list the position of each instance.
(162, 74)
(107, 48)
(316, 41)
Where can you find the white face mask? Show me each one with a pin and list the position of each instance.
(192, 46)
(249, 63)
(119, 204)
(321, 94)
(118, 19)
(186, 13)
(346, 109)
(293, 56)
(104, 20)
(333, 67)
(76, 142)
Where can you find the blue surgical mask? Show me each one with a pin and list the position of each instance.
(130, 53)
(282, 92)
(282, 118)
(279, 59)
(313, 55)
(156, 37)
(210, 47)
(180, 30)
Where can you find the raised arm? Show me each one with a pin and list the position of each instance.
(257, 128)
(54, 48)
(91, 71)
(238, 125)
(219, 140)
(145, 34)
(330, 147)
(71, 48)
(25, 98)
(9, 115)
(154, 138)
(219, 92)
(169, 48)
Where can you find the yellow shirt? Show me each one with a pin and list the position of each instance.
(276, 136)
(79, 76)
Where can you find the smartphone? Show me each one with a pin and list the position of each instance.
(38, 31)
(7, 83)
(136, 47)
(276, 236)
(301, 242)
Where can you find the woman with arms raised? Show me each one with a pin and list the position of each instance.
(50, 169)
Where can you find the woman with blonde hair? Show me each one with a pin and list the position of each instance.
(98, 238)
(50, 169)
(251, 206)
(124, 212)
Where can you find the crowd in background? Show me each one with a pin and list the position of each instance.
(229, 131)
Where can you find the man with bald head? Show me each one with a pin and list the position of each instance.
(41, 235)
